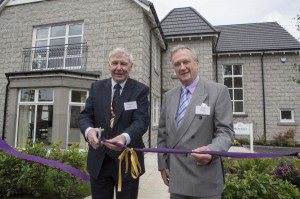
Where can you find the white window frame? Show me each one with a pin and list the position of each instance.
(66, 38)
(292, 120)
(232, 76)
(155, 111)
(34, 103)
(81, 104)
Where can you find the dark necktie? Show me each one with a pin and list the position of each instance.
(116, 97)
(114, 104)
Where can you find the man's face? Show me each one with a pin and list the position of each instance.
(119, 67)
(185, 66)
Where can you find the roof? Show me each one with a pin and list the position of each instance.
(186, 21)
(267, 36)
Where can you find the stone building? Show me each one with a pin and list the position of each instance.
(52, 50)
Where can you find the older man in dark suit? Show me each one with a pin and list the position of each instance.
(119, 105)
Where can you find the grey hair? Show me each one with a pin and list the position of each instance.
(181, 47)
(120, 52)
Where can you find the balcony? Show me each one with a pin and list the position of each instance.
(69, 57)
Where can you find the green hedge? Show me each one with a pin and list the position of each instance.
(24, 178)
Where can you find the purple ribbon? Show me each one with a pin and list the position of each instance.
(8, 149)
(217, 153)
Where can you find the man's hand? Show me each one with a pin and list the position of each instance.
(120, 139)
(202, 159)
(92, 137)
(165, 176)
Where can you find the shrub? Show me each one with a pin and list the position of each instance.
(285, 139)
(258, 185)
(289, 172)
(22, 177)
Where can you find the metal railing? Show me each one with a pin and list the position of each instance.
(69, 56)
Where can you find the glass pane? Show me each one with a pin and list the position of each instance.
(230, 93)
(56, 42)
(71, 62)
(237, 70)
(45, 95)
(56, 63)
(238, 107)
(75, 29)
(74, 133)
(42, 33)
(286, 115)
(27, 95)
(41, 43)
(78, 96)
(44, 123)
(238, 94)
(58, 31)
(39, 63)
(25, 125)
(227, 70)
(238, 82)
(228, 82)
(74, 40)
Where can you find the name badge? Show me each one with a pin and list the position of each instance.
(203, 109)
(130, 106)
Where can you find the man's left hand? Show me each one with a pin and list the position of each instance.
(120, 139)
(202, 159)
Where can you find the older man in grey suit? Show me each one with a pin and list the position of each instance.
(196, 115)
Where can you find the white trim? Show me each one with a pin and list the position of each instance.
(292, 120)
(232, 76)
(145, 7)
(191, 36)
(257, 53)
(17, 2)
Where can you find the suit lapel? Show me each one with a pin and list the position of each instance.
(198, 98)
(126, 93)
(174, 107)
(107, 100)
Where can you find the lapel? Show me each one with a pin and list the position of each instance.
(198, 98)
(126, 93)
(107, 99)
(174, 103)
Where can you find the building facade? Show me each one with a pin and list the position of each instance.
(51, 52)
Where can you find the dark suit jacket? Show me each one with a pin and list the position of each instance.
(96, 114)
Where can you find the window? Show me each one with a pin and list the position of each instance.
(233, 79)
(58, 46)
(155, 111)
(35, 112)
(287, 115)
(76, 105)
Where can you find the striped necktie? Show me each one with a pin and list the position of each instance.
(114, 104)
(184, 101)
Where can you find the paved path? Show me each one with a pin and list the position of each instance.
(151, 184)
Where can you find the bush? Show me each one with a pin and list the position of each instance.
(289, 172)
(258, 185)
(285, 139)
(22, 177)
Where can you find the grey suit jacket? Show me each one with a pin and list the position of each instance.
(214, 130)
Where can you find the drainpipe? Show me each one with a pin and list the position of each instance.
(161, 76)
(217, 67)
(5, 108)
(150, 84)
(263, 93)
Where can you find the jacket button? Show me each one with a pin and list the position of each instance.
(193, 137)
(200, 117)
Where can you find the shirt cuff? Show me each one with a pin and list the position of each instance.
(86, 132)
(127, 137)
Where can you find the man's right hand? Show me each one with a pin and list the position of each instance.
(165, 176)
(92, 137)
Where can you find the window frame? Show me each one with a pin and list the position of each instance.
(66, 38)
(232, 76)
(34, 103)
(70, 104)
(292, 120)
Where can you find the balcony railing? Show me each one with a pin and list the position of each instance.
(69, 56)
